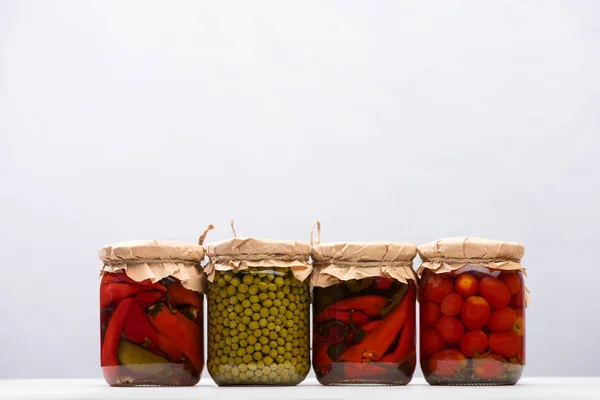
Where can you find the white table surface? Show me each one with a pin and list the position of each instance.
(528, 388)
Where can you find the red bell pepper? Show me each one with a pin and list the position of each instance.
(112, 336)
(179, 295)
(180, 330)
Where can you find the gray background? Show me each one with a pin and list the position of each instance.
(386, 120)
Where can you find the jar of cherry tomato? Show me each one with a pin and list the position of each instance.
(472, 312)
(364, 297)
(151, 307)
(258, 312)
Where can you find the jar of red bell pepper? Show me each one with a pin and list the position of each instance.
(151, 307)
(472, 312)
(364, 297)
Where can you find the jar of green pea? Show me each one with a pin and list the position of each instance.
(258, 312)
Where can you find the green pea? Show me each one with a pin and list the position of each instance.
(243, 288)
(273, 353)
(255, 307)
(255, 316)
(261, 275)
(254, 299)
(292, 299)
(256, 280)
(270, 277)
(263, 340)
(295, 351)
(230, 291)
(221, 282)
(288, 346)
(295, 343)
(266, 349)
(265, 332)
(245, 319)
(263, 296)
(280, 295)
(290, 323)
(248, 312)
(272, 295)
(220, 307)
(272, 335)
(258, 373)
(250, 349)
(257, 355)
(278, 281)
(252, 339)
(283, 333)
(241, 352)
(287, 356)
(279, 359)
(270, 318)
(248, 279)
(236, 282)
(274, 311)
(267, 303)
(233, 324)
(262, 286)
(270, 326)
(289, 314)
(257, 333)
(253, 289)
(243, 343)
(262, 323)
(246, 359)
(244, 367)
(286, 290)
(253, 325)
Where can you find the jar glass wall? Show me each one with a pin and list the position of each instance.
(258, 327)
(472, 326)
(151, 333)
(364, 332)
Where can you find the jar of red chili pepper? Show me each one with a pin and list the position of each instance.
(364, 297)
(258, 312)
(472, 312)
(151, 307)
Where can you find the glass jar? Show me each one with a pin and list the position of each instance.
(472, 312)
(364, 313)
(151, 308)
(258, 312)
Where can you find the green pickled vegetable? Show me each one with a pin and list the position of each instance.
(258, 328)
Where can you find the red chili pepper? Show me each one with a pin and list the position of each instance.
(383, 283)
(405, 343)
(370, 305)
(113, 333)
(180, 330)
(370, 326)
(182, 296)
(374, 346)
(358, 317)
